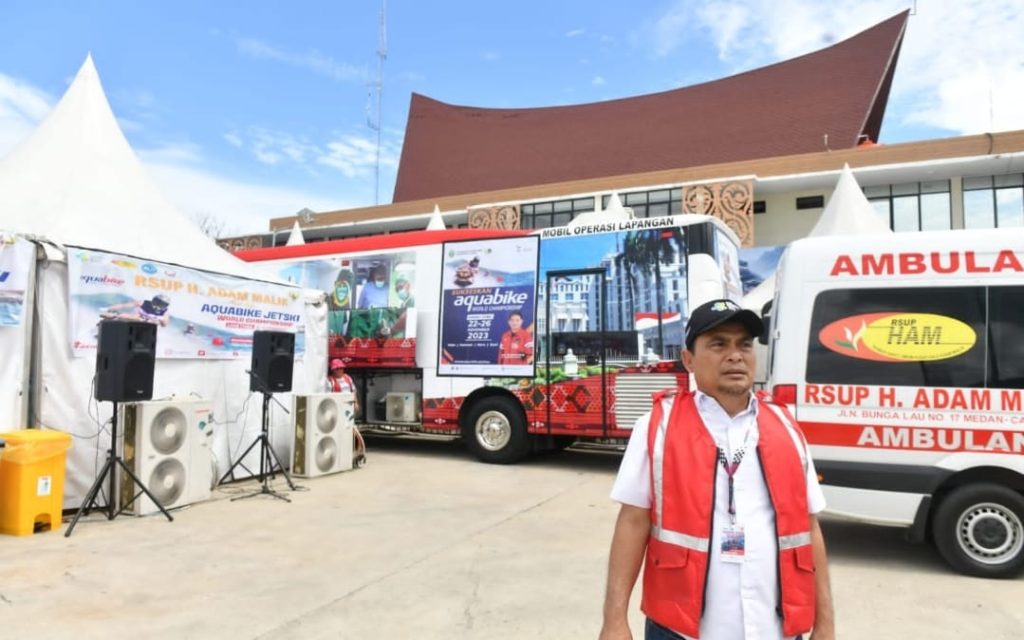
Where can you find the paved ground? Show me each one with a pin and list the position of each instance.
(424, 543)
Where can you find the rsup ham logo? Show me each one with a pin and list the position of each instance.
(898, 337)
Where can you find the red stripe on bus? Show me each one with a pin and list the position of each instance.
(376, 243)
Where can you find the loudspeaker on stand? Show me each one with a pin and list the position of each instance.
(125, 359)
(273, 355)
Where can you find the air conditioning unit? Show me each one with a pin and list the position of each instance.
(402, 406)
(167, 445)
(323, 433)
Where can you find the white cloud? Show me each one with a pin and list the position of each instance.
(311, 60)
(22, 107)
(243, 207)
(955, 55)
(573, 33)
(180, 170)
(597, 81)
(352, 154)
(356, 156)
(181, 152)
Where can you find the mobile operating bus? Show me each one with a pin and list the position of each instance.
(515, 340)
(902, 357)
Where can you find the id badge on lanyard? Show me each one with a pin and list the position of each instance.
(734, 543)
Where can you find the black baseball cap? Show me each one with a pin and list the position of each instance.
(711, 314)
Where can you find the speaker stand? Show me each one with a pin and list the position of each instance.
(110, 467)
(268, 459)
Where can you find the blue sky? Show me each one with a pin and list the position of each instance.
(244, 111)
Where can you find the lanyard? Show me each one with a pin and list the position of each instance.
(730, 470)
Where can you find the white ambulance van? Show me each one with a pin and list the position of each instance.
(902, 357)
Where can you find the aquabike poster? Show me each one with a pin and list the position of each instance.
(198, 314)
(488, 307)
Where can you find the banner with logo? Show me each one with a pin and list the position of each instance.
(17, 257)
(488, 307)
(198, 314)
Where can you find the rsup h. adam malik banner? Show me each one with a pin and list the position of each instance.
(488, 307)
(199, 314)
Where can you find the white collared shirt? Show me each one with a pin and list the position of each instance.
(741, 598)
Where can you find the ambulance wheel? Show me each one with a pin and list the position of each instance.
(495, 431)
(979, 530)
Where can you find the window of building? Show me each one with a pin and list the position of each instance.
(541, 215)
(651, 204)
(760, 207)
(913, 206)
(994, 201)
(810, 202)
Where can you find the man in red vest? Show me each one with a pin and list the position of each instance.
(719, 496)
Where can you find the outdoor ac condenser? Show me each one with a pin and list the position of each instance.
(402, 406)
(323, 434)
(167, 445)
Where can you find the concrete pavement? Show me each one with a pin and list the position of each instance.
(424, 543)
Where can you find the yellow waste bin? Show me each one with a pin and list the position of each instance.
(32, 480)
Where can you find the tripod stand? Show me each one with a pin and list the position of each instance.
(268, 458)
(109, 467)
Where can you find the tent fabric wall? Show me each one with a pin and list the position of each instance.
(65, 401)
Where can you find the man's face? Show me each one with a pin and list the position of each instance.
(515, 323)
(723, 360)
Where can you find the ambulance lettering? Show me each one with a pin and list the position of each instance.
(936, 262)
(934, 439)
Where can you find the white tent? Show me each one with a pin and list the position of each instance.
(295, 238)
(75, 182)
(848, 213)
(436, 222)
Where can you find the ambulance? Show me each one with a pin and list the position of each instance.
(902, 357)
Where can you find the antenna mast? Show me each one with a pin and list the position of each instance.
(378, 88)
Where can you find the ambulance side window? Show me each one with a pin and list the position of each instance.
(1006, 337)
(870, 336)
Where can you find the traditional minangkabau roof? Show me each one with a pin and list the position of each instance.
(782, 109)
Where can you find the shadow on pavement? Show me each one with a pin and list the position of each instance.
(594, 460)
(886, 547)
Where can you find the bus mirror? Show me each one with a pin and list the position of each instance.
(766, 318)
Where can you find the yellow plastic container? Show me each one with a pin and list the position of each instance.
(32, 480)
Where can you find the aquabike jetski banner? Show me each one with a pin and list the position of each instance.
(488, 307)
(198, 314)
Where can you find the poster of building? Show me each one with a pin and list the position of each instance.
(198, 314)
(488, 307)
(758, 264)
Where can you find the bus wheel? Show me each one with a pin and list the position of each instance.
(979, 530)
(495, 431)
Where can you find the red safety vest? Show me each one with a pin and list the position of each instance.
(684, 464)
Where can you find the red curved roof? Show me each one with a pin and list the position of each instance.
(783, 109)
